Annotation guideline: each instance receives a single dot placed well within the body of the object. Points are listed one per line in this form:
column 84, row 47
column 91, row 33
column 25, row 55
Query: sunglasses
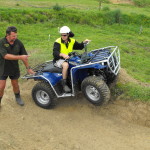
column 64, row 35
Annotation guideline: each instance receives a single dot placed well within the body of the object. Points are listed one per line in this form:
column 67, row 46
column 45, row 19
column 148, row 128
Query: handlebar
column 87, row 42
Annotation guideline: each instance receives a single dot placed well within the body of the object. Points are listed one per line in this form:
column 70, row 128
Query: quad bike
column 90, row 72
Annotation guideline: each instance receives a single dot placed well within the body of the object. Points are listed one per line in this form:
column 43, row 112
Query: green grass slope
column 109, row 26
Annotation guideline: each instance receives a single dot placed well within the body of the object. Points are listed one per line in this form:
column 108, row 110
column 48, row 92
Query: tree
column 100, row 3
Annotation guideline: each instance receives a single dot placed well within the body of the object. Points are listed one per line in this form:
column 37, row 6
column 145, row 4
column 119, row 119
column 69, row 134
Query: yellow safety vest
column 63, row 48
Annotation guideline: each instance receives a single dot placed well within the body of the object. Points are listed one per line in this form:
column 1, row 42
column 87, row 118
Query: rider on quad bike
column 62, row 47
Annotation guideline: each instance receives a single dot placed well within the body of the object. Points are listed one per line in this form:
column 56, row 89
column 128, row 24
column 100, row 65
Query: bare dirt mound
column 74, row 124
column 121, row 1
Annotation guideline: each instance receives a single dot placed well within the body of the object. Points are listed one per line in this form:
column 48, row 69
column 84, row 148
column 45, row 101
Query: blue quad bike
column 90, row 72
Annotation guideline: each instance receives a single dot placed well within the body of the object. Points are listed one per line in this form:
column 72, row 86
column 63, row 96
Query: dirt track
column 121, row 1
column 74, row 124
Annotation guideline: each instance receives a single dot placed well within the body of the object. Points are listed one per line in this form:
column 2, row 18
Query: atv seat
column 51, row 68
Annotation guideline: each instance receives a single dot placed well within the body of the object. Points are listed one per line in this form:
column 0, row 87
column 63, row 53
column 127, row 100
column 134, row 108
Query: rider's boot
column 18, row 99
column 65, row 86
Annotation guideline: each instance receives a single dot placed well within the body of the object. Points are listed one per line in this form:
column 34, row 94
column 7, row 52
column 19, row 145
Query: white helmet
column 64, row 29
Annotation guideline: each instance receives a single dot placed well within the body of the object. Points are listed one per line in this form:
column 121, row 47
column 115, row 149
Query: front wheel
column 43, row 95
column 95, row 90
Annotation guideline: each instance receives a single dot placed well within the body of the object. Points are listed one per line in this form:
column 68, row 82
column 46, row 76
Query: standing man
column 62, row 47
column 12, row 50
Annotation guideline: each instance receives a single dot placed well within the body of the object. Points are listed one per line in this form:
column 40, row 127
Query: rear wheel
column 95, row 90
column 43, row 95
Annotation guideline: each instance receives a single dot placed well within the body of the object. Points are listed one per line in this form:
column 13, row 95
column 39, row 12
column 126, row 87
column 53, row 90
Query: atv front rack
column 114, row 60
column 109, row 55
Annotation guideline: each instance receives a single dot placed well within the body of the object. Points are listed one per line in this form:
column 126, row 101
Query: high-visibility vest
column 63, row 48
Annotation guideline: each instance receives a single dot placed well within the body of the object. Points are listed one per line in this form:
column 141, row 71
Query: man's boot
column 65, row 86
column 18, row 99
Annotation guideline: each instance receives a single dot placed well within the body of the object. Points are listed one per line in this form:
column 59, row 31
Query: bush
column 106, row 9
column 142, row 3
column 57, row 7
column 112, row 17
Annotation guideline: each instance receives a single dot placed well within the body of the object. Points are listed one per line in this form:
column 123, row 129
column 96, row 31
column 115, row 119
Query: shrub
column 57, row 7
column 106, row 8
column 142, row 3
column 112, row 17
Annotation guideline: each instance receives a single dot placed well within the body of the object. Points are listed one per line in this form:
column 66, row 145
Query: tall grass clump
column 142, row 3
column 106, row 8
column 112, row 17
column 57, row 7
column 133, row 18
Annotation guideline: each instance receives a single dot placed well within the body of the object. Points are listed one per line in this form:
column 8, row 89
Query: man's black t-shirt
column 10, row 67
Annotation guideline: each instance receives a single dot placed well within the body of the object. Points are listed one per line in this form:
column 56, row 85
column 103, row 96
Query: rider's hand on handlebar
column 86, row 41
column 65, row 56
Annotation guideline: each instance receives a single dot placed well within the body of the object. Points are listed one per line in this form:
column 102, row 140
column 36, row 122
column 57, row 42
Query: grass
column 132, row 91
column 132, row 39
column 82, row 4
column 133, row 53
